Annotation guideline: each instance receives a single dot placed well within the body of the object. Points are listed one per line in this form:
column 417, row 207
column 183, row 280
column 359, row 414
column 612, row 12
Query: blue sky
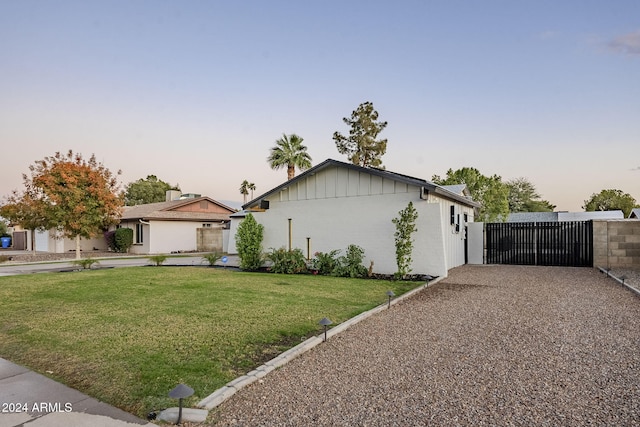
column 197, row 92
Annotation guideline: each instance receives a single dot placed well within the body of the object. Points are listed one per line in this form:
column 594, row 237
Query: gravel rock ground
column 490, row 345
column 632, row 276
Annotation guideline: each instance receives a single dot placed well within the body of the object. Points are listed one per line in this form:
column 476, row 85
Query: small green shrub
column 249, row 243
column 350, row 265
column 212, row 257
column 287, row 262
column 158, row 259
column 405, row 226
column 123, row 239
column 86, row 263
column 325, row 263
column 120, row 239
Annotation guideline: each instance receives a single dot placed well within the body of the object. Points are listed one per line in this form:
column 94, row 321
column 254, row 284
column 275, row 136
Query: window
column 139, row 235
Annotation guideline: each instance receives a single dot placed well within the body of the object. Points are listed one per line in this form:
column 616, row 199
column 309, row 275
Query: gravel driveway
column 490, row 345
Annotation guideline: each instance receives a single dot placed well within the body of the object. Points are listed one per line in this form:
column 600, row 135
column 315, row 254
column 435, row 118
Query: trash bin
column 6, row 241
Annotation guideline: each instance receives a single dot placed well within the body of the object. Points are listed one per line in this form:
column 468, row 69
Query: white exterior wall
column 138, row 248
column 233, row 228
column 42, row 241
column 56, row 243
column 454, row 238
column 338, row 207
column 172, row 236
column 161, row 237
column 476, row 243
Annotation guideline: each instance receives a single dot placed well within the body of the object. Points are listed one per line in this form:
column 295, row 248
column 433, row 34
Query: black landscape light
column 623, row 278
column 390, row 294
column 180, row 392
column 325, row 322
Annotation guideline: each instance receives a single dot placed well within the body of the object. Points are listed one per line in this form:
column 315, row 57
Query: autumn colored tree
column 76, row 196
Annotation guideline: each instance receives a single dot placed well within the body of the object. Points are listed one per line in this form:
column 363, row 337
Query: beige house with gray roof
column 178, row 225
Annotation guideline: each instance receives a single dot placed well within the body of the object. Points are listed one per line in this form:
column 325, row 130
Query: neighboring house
column 563, row 216
column 186, row 224
column 635, row 213
column 335, row 204
column 53, row 241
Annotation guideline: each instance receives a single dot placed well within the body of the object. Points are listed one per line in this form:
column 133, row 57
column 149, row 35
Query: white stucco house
column 335, row 204
column 182, row 223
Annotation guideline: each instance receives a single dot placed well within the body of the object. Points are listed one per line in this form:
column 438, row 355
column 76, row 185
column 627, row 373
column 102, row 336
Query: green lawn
column 127, row 336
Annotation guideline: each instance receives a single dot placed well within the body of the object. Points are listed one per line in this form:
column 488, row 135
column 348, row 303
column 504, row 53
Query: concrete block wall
column 616, row 243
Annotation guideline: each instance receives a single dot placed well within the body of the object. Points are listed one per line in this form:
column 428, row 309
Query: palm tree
column 244, row 190
column 290, row 152
column 251, row 187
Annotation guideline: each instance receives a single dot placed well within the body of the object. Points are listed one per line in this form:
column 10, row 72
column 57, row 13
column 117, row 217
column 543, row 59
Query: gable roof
column 443, row 191
column 635, row 213
column 170, row 211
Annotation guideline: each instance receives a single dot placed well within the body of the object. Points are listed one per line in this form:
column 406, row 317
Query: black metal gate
column 567, row 243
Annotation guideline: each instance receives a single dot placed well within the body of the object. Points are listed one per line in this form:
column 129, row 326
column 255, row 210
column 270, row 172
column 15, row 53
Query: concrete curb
column 228, row 390
column 631, row 288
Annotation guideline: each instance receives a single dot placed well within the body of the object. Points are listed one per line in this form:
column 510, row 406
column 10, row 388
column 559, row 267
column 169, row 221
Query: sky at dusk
column 197, row 92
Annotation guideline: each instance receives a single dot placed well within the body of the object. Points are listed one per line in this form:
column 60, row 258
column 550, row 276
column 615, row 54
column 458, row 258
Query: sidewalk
column 28, row 398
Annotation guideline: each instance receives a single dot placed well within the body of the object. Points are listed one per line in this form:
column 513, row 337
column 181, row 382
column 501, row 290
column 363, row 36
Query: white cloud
column 627, row 43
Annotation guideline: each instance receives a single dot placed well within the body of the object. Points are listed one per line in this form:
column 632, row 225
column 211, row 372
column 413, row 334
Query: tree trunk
column 291, row 172
column 78, row 247
column 33, row 241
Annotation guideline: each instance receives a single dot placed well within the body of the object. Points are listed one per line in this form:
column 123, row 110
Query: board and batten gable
column 336, row 206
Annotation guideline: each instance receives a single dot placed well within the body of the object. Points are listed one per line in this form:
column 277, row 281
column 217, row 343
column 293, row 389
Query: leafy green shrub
column 287, row 262
column 158, row 259
column 249, row 243
column 350, row 265
column 85, row 263
column 123, row 239
column 120, row 239
column 405, row 226
column 325, row 263
column 212, row 257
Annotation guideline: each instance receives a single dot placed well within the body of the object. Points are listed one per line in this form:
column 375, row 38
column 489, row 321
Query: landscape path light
column 390, row 294
column 325, row 322
column 180, row 392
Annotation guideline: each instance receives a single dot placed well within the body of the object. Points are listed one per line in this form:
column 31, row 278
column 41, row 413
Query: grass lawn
column 129, row 335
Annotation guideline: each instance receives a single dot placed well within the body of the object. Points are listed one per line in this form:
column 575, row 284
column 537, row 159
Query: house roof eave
column 430, row 186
